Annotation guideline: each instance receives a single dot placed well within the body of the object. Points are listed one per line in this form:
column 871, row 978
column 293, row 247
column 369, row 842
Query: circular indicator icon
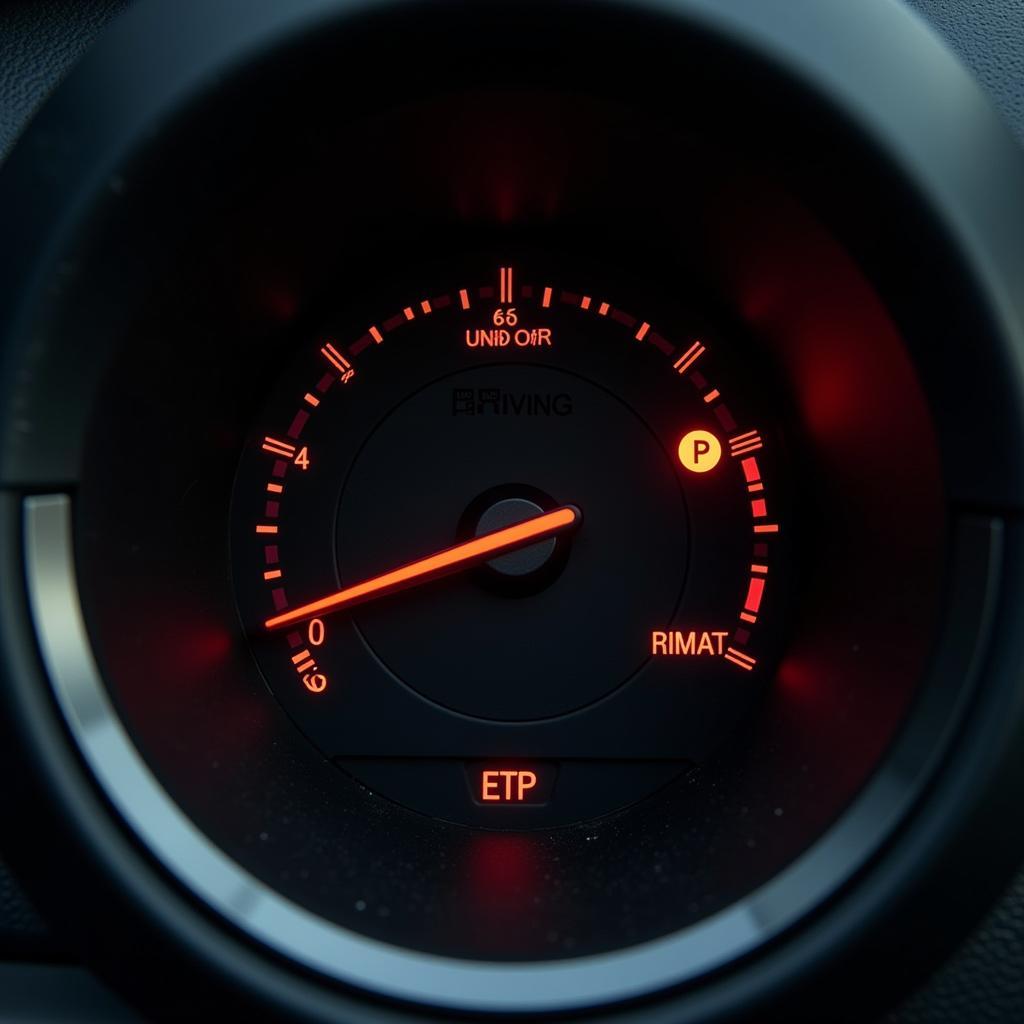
column 700, row 451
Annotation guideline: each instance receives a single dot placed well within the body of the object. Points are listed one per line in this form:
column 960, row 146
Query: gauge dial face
column 510, row 553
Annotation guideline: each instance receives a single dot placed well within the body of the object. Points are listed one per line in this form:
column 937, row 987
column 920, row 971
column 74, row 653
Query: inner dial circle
column 513, row 528
column 477, row 649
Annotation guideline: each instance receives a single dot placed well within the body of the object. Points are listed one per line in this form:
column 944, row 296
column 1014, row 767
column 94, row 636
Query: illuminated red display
column 505, row 785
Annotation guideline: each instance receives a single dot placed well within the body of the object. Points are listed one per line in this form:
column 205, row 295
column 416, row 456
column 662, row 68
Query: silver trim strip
column 342, row 954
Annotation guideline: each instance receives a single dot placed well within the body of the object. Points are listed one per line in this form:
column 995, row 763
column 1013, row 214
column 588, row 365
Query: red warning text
column 690, row 643
column 507, row 786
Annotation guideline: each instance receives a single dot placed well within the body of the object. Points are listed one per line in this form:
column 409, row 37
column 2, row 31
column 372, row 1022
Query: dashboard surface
column 981, row 981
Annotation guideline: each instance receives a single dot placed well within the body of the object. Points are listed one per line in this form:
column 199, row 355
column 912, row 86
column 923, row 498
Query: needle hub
column 523, row 561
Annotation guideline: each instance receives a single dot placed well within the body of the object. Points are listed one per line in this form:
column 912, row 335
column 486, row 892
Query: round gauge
column 476, row 532
column 522, row 543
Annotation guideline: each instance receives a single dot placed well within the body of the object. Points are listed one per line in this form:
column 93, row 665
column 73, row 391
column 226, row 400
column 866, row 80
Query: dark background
column 983, row 983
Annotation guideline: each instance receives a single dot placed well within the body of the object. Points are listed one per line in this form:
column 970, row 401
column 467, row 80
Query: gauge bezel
column 998, row 316
column 558, row 985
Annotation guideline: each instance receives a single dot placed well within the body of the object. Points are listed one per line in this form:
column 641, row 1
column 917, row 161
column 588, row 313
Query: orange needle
column 470, row 552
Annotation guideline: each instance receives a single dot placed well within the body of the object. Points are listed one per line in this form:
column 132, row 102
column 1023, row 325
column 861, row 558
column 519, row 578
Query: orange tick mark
column 335, row 358
column 752, row 605
column 275, row 447
column 744, row 444
column 688, row 358
column 745, row 661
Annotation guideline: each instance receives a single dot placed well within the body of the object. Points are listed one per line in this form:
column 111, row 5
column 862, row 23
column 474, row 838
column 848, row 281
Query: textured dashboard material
column 984, row 981
column 39, row 42
column 988, row 36
column 22, row 932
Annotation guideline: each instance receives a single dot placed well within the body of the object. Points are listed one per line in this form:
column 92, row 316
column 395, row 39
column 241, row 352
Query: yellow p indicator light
column 700, row 451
